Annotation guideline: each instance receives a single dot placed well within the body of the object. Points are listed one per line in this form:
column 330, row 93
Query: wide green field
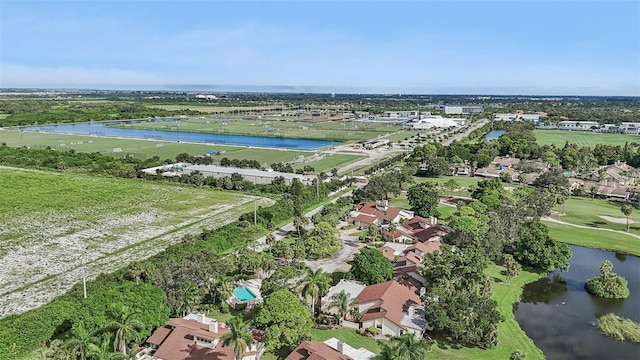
column 599, row 239
column 329, row 162
column 276, row 127
column 582, row 138
column 212, row 108
column 597, row 213
column 52, row 223
column 141, row 148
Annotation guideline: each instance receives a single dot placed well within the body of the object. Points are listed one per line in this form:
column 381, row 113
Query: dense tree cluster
column 458, row 302
column 383, row 186
column 371, row 267
column 29, row 112
column 608, row 284
column 285, row 320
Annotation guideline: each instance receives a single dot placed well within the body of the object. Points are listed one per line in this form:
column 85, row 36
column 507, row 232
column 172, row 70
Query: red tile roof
column 388, row 252
column 394, row 299
column 363, row 218
column 176, row 341
column 316, row 350
column 371, row 209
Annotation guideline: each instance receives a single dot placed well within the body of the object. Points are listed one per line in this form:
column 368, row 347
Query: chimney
column 213, row 326
column 340, row 347
column 201, row 318
column 433, row 220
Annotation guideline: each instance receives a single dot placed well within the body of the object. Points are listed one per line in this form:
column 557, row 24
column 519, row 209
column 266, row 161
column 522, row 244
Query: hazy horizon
column 559, row 48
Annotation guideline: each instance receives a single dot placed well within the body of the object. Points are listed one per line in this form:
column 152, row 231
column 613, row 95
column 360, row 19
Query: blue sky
column 453, row 47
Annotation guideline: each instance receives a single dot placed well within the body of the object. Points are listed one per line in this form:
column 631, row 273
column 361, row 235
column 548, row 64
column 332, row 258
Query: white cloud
column 16, row 75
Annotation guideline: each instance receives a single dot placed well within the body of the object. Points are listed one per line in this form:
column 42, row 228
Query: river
column 101, row 129
column 559, row 315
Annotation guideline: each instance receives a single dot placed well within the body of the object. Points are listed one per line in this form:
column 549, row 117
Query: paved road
column 348, row 251
column 548, row 219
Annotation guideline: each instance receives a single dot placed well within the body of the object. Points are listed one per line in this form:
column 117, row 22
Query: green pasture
column 329, row 162
column 213, row 108
column 69, row 198
column 599, row 239
column 141, row 148
column 274, row 127
column 582, row 138
column 587, row 212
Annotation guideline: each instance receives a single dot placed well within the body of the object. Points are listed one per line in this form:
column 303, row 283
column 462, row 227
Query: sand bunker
column 616, row 220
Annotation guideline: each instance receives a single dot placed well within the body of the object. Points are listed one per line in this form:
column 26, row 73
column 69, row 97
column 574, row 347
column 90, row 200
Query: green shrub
column 609, row 284
column 372, row 330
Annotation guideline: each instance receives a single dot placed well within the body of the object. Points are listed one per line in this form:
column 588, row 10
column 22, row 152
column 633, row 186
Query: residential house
column 393, row 308
column 197, row 337
column 617, row 174
column 376, row 213
column 350, row 287
column 407, row 262
column 330, row 349
column 416, row 229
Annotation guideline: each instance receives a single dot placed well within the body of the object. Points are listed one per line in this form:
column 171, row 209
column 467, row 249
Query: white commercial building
column 577, row 125
column 462, row 109
column 253, row 175
column 516, row 117
column 432, row 121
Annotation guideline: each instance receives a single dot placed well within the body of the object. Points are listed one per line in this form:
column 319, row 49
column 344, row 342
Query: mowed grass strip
column 142, row 148
column 594, row 238
column 582, row 138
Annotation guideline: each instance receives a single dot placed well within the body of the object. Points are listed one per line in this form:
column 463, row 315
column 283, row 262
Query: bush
column 608, row 285
column 372, row 330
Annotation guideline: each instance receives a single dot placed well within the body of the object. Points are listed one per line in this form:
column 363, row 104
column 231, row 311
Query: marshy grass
column 619, row 328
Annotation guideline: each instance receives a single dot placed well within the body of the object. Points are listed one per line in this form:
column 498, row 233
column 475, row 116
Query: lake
column 559, row 315
column 102, row 129
column 493, row 134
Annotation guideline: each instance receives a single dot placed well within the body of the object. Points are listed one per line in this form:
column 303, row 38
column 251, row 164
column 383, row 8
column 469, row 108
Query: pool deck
column 254, row 286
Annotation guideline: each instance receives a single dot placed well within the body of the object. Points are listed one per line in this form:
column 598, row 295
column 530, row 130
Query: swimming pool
column 242, row 293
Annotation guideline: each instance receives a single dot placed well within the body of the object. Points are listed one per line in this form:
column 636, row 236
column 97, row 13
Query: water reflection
column 559, row 315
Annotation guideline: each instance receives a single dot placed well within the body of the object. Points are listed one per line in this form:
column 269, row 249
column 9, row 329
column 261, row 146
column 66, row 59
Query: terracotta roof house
column 368, row 213
column 417, row 229
column 350, row 287
column 393, row 308
column 316, row 350
column 330, row 349
column 197, row 337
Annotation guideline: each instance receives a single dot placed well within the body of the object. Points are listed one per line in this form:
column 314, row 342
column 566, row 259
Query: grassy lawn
column 598, row 239
column 587, row 212
column 55, row 222
column 211, row 108
column 582, row 138
column 142, row 148
column 329, row 162
column 277, row 126
column 347, row 335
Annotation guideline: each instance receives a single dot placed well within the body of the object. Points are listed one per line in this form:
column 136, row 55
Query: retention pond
column 103, row 129
column 559, row 315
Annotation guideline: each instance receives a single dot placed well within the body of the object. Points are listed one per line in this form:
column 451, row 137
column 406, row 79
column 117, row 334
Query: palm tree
column 58, row 351
column 104, row 351
column 299, row 223
column 125, row 328
column 270, row 239
column 79, row 341
column 239, row 338
column 316, row 285
column 392, row 229
column 410, row 348
column 627, row 209
column 190, row 299
column 224, row 289
column 340, row 301
column 388, row 351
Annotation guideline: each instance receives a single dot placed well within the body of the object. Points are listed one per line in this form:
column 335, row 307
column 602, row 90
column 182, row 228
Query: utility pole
column 84, row 281
column 255, row 212
column 318, row 186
